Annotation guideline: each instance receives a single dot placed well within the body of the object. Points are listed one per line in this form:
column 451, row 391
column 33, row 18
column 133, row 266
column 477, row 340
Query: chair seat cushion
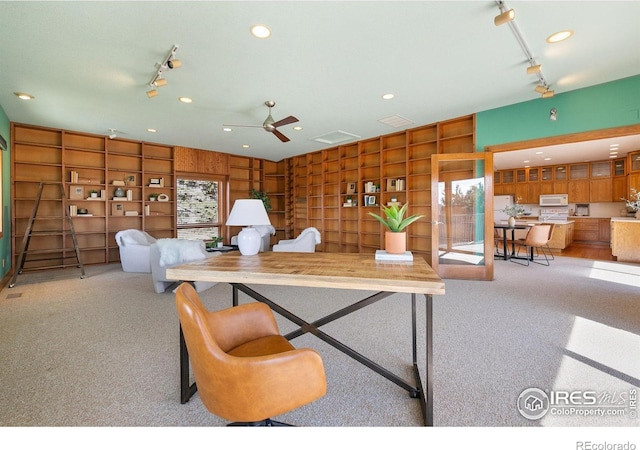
column 268, row 345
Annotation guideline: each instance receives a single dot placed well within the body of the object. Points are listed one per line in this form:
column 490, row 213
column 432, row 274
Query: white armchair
column 134, row 250
column 266, row 231
column 167, row 253
column 305, row 243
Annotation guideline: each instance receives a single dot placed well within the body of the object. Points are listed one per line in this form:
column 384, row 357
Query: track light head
column 504, row 17
column 548, row 94
column 160, row 82
column 534, row 69
column 540, row 89
column 152, row 93
column 553, row 114
column 112, row 134
column 174, row 63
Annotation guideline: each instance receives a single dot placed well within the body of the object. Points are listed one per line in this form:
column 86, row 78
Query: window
column 199, row 211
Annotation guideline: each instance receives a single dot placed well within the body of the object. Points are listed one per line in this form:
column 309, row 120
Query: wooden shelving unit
column 398, row 165
column 84, row 163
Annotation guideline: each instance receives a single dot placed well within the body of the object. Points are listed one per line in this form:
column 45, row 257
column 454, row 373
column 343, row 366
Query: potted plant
column 153, row 197
column 513, row 211
column 93, row 194
column 216, row 241
column 262, row 196
column 633, row 205
column 395, row 240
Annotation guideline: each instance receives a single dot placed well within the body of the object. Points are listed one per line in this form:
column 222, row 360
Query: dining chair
column 536, row 239
column 551, row 229
column 245, row 371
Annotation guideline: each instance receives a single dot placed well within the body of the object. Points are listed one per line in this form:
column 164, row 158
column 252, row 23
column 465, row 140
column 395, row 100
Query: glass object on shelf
column 578, row 171
column 546, row 174
column 560, row 173
column 600, row 169
column 618, row 167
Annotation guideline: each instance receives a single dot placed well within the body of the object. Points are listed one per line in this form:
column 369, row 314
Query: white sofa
column 266, row 231
column 305, row 243
column 167, row 253
column 134, row 250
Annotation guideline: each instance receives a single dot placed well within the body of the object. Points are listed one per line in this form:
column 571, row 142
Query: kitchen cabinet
column 600, row 190
column 625, row 239
column 562, row 236
column 586, row 229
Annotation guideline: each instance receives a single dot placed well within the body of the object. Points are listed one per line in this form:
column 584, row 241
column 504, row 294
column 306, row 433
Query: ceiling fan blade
column 280, row 136
column 285, row 121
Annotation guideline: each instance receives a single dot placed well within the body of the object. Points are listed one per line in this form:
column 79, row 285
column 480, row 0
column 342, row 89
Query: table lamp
column 246, row 213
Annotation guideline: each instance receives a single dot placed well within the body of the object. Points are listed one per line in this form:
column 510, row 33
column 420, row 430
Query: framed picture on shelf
column 130, row 180
column 76, row 193
column 351, row 188
column 117, row 209
column 371, row 200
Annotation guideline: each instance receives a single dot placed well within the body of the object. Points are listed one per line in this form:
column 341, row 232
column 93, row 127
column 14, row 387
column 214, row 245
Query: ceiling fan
column 271, row 125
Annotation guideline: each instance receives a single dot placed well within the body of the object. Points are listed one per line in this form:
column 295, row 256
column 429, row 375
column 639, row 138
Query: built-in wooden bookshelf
column 335, row 189
column 83, row 163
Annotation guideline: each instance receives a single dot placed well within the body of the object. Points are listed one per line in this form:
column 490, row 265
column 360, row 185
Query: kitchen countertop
column 625, row 219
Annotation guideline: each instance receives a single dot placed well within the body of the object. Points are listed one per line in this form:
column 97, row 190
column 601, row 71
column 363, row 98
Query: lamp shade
column 248, row 212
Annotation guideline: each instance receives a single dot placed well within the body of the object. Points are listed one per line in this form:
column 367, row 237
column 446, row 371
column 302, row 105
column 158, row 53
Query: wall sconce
column 553, row 114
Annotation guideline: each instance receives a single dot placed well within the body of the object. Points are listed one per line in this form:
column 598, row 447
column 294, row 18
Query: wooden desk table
column 325, row 270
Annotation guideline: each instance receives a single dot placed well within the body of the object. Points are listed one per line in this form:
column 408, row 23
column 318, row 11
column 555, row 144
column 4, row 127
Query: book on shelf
column 131, row 213
column 382, row 255
column 74, row 176
column 73, row 210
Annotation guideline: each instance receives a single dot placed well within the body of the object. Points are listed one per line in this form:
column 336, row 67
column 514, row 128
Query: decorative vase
column 512, row 221
column 395, row 242
column 119, row 192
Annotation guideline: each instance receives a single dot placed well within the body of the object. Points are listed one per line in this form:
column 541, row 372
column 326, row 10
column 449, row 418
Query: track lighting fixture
column 553, row 114
column 168, row 63
column 508, row 16
column 548, row 94
column 113, row 133
column 534, row 69
column 505, row 17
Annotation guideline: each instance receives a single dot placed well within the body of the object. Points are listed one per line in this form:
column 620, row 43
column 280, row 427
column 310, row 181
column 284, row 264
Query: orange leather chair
column 245, row 371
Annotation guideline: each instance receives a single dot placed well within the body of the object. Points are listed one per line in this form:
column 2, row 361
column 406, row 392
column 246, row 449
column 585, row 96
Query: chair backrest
column 552, row 226
column 538, row 235
column 220, row 377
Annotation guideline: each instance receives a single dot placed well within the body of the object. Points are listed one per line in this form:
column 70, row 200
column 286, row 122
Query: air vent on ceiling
column 335, row 137
column 396, row 121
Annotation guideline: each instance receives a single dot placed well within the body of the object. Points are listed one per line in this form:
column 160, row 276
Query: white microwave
column 554, row 200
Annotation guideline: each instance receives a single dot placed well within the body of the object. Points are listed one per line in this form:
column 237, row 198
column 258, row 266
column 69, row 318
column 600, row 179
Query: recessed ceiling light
column 388, row 96
column 298, row 128
column 547, row 159
column 226, row 129
column 614, row 145
column 539, row 153
column 559, row 36
column 613, row 152
column 151, row 130
column 185, row 99
column 245, row 146
column 24, row 96
column 260, row 31
column 613, row 156
column 526, row 161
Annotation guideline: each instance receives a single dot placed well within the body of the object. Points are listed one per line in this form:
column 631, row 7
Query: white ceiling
column 327, row 63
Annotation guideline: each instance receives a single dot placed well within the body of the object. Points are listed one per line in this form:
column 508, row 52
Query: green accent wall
column 5, row 241
column 606, row 105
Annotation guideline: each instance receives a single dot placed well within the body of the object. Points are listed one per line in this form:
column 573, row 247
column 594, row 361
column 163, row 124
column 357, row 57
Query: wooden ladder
column 31, row 232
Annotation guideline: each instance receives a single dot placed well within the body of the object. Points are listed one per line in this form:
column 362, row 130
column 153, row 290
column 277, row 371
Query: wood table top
column 325, row 270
